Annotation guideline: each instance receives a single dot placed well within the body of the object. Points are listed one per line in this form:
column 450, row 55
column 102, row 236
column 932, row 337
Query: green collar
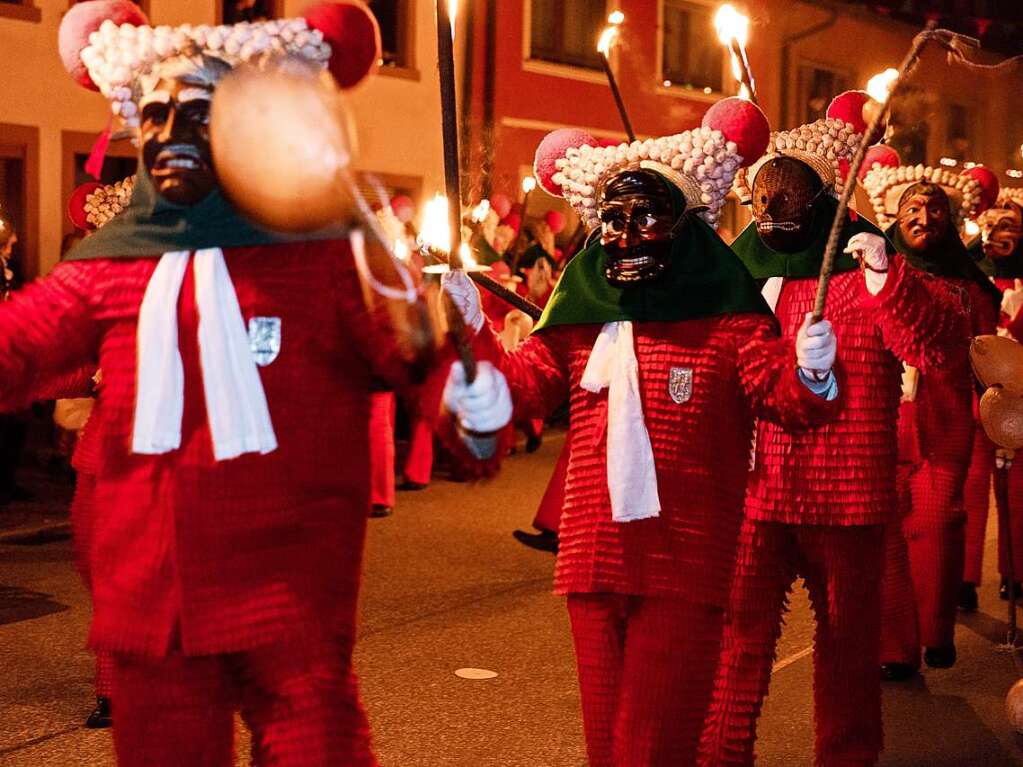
column 950, row 259
column 150, row 226
column 764, row 263
column 705, row 279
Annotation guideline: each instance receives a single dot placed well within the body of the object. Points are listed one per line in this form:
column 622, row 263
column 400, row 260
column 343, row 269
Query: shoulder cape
column 705, row 279
column 151, row 226
column 764, row 263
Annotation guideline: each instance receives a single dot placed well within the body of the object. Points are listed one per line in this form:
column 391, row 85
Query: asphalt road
column 447, row 588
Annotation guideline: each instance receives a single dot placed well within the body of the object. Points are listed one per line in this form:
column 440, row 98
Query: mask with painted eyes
column 1001, row 230
column 637, row 219
column 784, row 193
column 925, row 217
column 175, row 140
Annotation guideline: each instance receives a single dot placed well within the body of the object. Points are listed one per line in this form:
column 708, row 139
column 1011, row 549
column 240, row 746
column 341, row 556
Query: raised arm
column 924, row 321
column 770, row 375
column 46, row 330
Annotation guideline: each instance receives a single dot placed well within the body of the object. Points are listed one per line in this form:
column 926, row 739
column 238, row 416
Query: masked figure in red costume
column 233, row 462
column 1000, row 252
column 818, row 500
column 666, row 351
column 937, row 428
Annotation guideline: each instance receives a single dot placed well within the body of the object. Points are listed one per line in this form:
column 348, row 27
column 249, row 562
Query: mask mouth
column 179, row 157
column 777, row 226
column 633, row 269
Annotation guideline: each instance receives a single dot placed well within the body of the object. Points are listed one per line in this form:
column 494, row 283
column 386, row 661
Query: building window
column 395, row 20
column 19, row 193
column 24, row 10
column 235, row 11
column 691, row 54
column 566, row 31
column 817, row 87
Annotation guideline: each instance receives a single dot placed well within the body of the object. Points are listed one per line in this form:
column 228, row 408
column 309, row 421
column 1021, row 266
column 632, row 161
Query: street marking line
column 786, row 662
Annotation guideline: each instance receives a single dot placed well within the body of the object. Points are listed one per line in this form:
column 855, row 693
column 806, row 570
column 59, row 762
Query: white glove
column 482, row 407
column 1012, row 299
column 816, row 348
column 872, row 253
column 466, row 297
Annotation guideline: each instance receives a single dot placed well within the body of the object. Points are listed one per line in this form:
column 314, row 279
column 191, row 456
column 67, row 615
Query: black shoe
column 379, row 510
column 408, row 484
column 544, row 540
column 1003, row 590
column 897, row 672
column 940, row 657
column 533, row 443
column 967, row 601
column 100, row 718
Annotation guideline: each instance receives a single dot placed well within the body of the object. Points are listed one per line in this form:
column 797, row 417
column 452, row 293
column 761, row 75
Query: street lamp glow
column 615, row 18
column 480, row 212
column 528, row 184
column 435, row 232
column 879, row 86
column 731, row 25
column 971, row 228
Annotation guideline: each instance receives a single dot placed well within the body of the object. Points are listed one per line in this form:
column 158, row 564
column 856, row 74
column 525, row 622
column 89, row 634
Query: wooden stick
column 746, row 77
column 828, row 264
column 1002, row 503
column 510, row 297
column 613, row 82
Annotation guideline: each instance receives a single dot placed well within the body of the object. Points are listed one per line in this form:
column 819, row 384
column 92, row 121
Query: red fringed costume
column 216, row 576
column 925, row 545
column 977, row 495
column 816, row 506
column 633, row 586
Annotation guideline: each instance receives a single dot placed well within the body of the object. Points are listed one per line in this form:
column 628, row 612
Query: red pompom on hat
column 76, row 205
column 879, row 154
column 850, row 107
column 552, row 149
column 500, row 204
column 81, row 20
column 514, row 220
column 403, row 207
column 352, row 31
column 555, row 220
column 743, row 123
column 989, row 186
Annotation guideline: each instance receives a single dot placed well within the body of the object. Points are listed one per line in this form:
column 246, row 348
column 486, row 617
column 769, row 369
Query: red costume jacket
column 220, row 556
column 844, row 472
column 701, row 448
column 939, row 424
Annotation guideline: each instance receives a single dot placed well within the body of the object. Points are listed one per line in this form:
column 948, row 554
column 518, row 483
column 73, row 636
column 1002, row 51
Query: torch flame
column 528, row 184
column 468, row 259
column 607, row 39
column 401, row 250
column 480, row 212
column 435, row 232
column 744, row 93
column 615, row 18
column 452, row 12
column 880, row 85
column 731, row 25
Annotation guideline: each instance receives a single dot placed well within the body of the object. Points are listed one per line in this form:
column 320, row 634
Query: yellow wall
column 398, row 117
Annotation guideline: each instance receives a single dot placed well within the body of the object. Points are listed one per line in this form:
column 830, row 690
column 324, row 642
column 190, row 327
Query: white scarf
column 236, row 407
column 631, row 473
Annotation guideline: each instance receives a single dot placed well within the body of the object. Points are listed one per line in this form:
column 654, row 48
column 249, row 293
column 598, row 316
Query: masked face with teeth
column 925, row 217
column 784, row 193
column 637, row 219
column 174, row 129
column 1001, row 230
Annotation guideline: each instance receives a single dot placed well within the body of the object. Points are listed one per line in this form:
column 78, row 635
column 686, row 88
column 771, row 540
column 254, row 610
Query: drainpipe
column 786, row 63
column 489, row 88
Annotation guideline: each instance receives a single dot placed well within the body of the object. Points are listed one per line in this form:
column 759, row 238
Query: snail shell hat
column 108, row 46
column 971, row 192
column 701, row 162
column 826, row 145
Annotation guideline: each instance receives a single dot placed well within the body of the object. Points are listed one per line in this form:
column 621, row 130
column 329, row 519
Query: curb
column 36, row 534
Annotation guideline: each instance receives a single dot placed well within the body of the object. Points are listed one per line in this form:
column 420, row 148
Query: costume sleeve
column 1015, row 326
column 923, row 321
column 983, row 311
column 46, row 330
column 71, row 384
column 770, row 379
column 537, row 370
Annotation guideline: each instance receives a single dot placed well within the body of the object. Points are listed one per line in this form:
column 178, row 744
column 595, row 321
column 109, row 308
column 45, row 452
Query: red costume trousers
column 977, row 499
column 646, row 674
column 548, row 515
column 924, row 551
column 419, row 464
column 301, row 703
column 381, row 448
column 841, row 567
